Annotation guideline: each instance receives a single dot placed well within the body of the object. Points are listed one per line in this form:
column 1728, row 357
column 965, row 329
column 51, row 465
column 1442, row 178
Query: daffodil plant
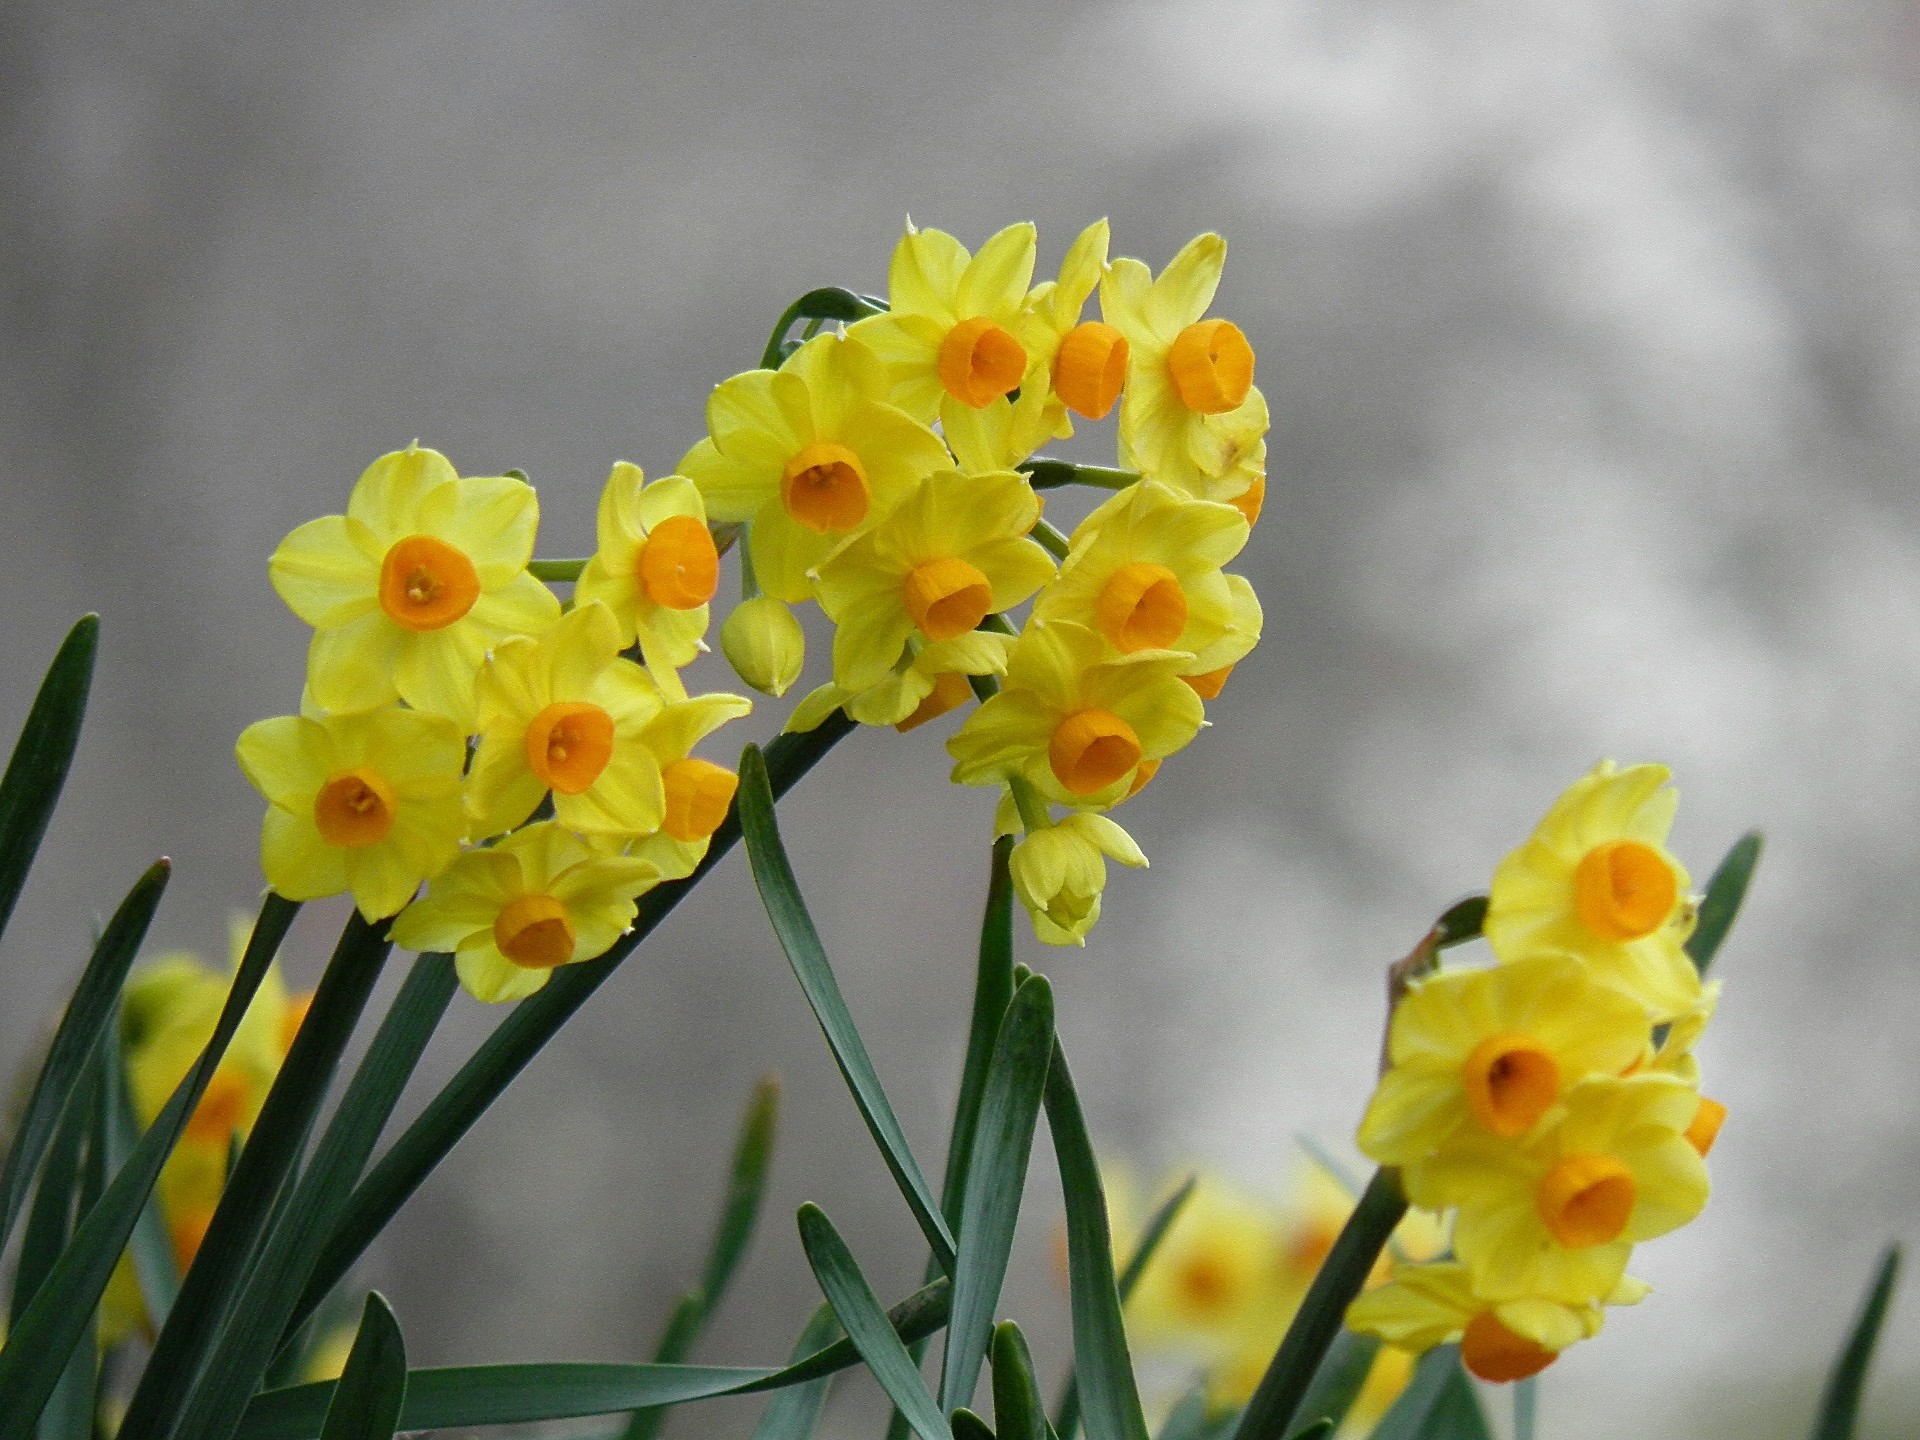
column 497, row 757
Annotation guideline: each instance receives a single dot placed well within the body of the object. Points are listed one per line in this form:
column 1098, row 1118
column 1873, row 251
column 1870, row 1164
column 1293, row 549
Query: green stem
column 749, row 577
column 1045, row 474
column 829, row 303
column 556, row 571
column 1270, row 1413
column 1051, row 540
column 1035, row 813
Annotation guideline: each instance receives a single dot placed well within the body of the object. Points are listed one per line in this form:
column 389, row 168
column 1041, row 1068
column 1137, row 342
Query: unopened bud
column 764, row 644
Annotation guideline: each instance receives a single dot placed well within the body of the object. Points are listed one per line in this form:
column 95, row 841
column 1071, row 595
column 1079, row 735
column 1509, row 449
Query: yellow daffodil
column 953, row 552
column 696, row 792
column 168, row 1013
column 928, row 686
column 1428, row 1305
column 565, row 714
column 656, row 566
column 1596, row 880
column 1144, row 570
column 1212, row 664
column 1004, row 434
column 515, row 912
column 1555, row 1213
column 765, row 644
column 808, row 455
column 1060, row 872
column 1084, row 362
column 368, row 803
column 1074, row 721
column 956, row 335
column 1675, row 1057
column 1493, row 1050
column 1192, row 416
column 408, row 589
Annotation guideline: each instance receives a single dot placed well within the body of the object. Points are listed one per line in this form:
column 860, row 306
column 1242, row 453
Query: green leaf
column 49, row 1222
column 41, row 758
column 793, row 1412
column 1439, row 1403
column 346, row 1144
column 1340, row 1378
column 1017, row 1413
column 828, row 303
column 150, row 1246
column 996, row 1181
column 1319, row 1430
column 969, row 1426
column 992, row 989
column 1840, row 1403
column 524, row 1032
column 780, row 893
column 1275, row 1405
column 202, row 1370
column 54, row 1322
column 1526, row 1406
column 89, row 1014
column 1103, row 1372
column 746, row 1182
column 1158, row 1224
column 372, row 1391
column 866, row 1325
column 1188, row 1418
column 1725, row 891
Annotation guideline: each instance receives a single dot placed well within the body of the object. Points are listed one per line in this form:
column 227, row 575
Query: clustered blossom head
column 531, row 763
column 887, row 472
column 452, row 703
column 1552, row 1101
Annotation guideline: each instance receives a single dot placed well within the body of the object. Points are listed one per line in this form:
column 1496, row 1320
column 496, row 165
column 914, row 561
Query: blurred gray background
column 1592, row 337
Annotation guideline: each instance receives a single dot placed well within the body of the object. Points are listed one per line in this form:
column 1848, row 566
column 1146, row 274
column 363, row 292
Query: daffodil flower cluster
column 1232, row 1270
column 1551, row 1102
column 886, row 472
column 461, row 729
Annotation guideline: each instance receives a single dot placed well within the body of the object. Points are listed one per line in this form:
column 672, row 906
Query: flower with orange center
column 956, row 334
column 656, row 566
column 1555, row 1212
column 1492, row 1051
column 368, row 803
column 956, row 550
column 934, row 683
column 1144, row 570
column 1192, row 416
column 1086, row 362
column 1074, row 720
column 1596, row 880
column 564, row 714
column 808, row 455
column 695, row 793
column 1500, row 1341
column 514, row 912
column 408, row 590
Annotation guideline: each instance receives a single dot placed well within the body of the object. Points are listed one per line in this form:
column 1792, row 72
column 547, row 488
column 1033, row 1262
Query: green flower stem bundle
column 508, row 781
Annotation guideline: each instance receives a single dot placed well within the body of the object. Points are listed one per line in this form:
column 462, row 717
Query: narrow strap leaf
column 792, row 1413
column 866, row 1324
column 41, row 758
column 996, row 1181
column 992, row 989
column 1271, row 1412
column 155, row 1270
column 780, row 893
column 499, row 1394
column 1526, row 1406
column 174, row 1396
column 1419, row 1412
column 50, row 1220
column 1341, row 1376
column 347, row 1142
column 1017, row 1413
column 54, row 1322
column 1721, row 904
column 1067, row 1415
column 1103, row 1371
column 1319, row 1430
column 69, row 1414
column 1840, row 1402
column 1188, row 1418
column 746, row 1182
column 969, row 1426
column 89, row 1013
column 368, row 1400
column 521, row 1036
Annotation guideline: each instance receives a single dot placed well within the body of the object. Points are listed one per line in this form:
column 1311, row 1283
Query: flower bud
column 1059, row 874
column 764, row 644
